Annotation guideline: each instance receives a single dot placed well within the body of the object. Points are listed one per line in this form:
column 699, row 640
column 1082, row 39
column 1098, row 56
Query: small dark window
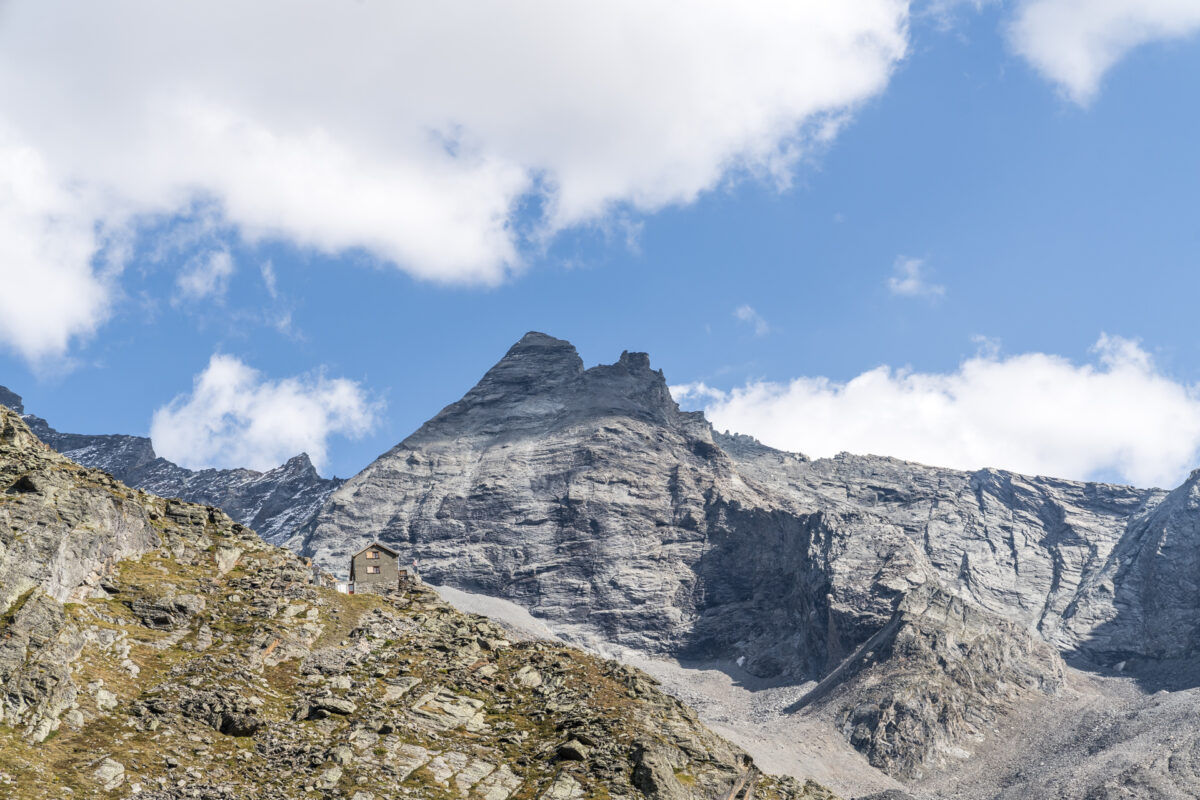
column 373, row 569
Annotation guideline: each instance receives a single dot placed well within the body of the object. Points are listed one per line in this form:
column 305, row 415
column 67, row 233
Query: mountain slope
column 589, row 497
column 156, row 649
column 274, row 503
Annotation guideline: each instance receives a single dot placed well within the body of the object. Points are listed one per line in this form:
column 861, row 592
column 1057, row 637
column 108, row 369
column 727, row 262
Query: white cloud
column 1033, row 413
column 50, row 292
column 234, row 417
column 206, row 275
column 697, row 393
column 1074, row 42
column 748, row 315
column 412, row 130
column 909, row 280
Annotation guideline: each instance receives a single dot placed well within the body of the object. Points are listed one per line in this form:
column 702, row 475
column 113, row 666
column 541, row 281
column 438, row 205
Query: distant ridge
column 275, row 503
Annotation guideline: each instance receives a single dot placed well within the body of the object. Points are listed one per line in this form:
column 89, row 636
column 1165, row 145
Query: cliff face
column 274, row 503
column 932, row 682
column 588, row 496
column 193, row 660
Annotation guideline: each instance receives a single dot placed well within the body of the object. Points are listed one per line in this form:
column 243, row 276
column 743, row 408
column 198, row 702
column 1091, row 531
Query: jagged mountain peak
column 635, row 361
column 536, row 355
column 536, row 341
column 298, row 465
column 541, row 381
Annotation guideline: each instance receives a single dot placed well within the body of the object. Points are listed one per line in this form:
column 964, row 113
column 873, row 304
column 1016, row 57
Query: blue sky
column 1031, row 211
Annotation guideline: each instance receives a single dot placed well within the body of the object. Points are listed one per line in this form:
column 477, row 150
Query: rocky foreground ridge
column 157, row 649
column 927, row 605
column 275, row 503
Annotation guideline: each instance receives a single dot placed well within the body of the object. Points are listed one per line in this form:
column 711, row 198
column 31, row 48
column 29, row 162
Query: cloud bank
column 235, row 417
column 1032, row 413
column 414, row 131
column 1075, row 42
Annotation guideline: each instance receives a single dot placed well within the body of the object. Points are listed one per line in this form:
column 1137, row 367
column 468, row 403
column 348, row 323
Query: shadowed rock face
column 274, row 503
column 589, row 497
column 1142, row 606
column 932, row 679
column 12, row 400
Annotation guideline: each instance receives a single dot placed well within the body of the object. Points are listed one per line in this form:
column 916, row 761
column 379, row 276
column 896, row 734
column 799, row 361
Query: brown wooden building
column 375, row 568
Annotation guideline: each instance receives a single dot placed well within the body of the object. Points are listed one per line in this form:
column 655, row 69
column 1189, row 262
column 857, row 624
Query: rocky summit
column 924, row 610
column 158, row 650
column 274, row 503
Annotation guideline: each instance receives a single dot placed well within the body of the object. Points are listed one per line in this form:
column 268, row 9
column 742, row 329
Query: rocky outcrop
column 589, row 497
column 921, row 693
column 1142, row 606
column 196, row 661
column 11, row 399
column 274, row 503
column 61, row 525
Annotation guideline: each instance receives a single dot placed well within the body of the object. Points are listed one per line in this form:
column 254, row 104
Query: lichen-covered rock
column 61, row 526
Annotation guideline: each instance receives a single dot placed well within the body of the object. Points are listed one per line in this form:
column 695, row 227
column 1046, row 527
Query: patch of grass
column 350, row 608
column 7, row 618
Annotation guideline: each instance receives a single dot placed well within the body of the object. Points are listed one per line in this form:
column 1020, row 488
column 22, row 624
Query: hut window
column 373, row 569
column 373, row 554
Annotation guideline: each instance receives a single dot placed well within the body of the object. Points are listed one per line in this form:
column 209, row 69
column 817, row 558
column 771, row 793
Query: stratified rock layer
column 933, row 681
column 588, row 496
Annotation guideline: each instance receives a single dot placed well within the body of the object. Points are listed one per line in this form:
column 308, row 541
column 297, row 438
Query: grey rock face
column 931, row 682
column 43, row 491
column 274, row 503
column 62, row 528
column 588, row 496
column 1142, row 605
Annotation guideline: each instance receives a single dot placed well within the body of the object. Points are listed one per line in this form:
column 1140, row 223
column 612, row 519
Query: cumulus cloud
column 1074, row 42
column 1033, row 413
column 748, row 315
column 236, row 417
column 908, row 279
column 207, row 275
column 51, row 292
column 414, row 131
